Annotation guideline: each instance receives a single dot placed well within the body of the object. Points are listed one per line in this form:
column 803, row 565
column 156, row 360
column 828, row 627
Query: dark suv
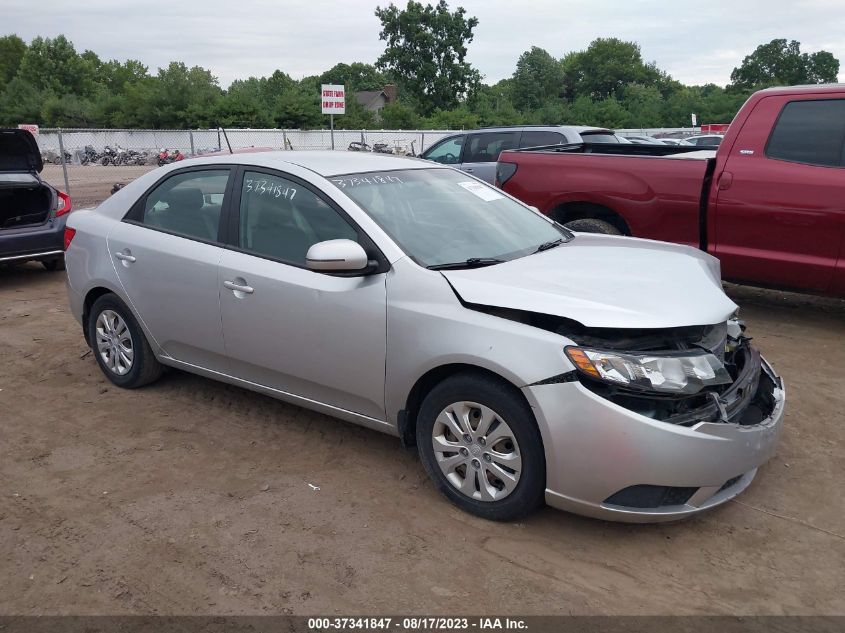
column 32, row 213
column 476, row 152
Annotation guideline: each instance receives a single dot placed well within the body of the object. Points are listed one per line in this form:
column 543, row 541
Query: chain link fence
column 88, row 163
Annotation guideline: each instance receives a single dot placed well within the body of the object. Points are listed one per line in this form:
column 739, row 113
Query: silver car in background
column 477, row 151
column 603, row 375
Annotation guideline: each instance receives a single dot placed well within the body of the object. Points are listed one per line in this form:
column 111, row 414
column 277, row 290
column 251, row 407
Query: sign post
column 333, row 101
column 694, row 119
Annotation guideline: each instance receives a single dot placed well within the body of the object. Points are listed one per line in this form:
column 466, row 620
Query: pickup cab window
column 810, row 132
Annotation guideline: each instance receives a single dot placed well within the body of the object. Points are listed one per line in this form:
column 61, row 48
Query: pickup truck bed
column 668, row 202
column 769, row 203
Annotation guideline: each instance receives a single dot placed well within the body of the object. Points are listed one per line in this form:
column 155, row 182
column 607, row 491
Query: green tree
column 53, row 64
column 426, row 52
column 644, row 105
column 12, row 49
column 494, row 105
column 68, row 111
column 606, row 68
column 538, row 79
column 782, row 63
column 457, row 119
column 20, row 102
column 355, row 76
column 399, row 116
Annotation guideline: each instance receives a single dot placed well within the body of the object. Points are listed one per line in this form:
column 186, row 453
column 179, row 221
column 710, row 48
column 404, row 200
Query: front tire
column 480, row 444
column 593, row 225
column 119, row 344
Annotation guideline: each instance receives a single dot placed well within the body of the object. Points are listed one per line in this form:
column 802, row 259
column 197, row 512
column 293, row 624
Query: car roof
column 549, row 128
column 809, row 88
column 322, row 162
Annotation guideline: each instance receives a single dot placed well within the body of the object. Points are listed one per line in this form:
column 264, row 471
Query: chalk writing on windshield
column 357, row 181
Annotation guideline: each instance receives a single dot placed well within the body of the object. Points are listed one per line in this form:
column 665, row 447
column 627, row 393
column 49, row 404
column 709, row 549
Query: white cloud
column 695, row 42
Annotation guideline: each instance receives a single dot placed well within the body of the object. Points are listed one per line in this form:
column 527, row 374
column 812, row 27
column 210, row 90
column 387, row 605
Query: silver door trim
column 30, row 255
column 307, row 403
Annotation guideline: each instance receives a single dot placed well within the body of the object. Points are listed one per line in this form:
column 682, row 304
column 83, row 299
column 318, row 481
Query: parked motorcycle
column 89, row 155
column 165, row 157
column 109, row 156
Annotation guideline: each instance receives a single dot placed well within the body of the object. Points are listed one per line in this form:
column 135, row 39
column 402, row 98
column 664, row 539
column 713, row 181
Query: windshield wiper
column 547, row 245
column 472, row 262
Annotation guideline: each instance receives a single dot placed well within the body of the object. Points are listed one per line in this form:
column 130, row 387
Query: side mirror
column 334, row 256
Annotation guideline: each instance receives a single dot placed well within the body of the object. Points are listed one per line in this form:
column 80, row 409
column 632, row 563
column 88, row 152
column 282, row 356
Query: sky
column 695, row 42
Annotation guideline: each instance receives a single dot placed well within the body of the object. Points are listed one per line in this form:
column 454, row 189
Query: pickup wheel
column 592, row 225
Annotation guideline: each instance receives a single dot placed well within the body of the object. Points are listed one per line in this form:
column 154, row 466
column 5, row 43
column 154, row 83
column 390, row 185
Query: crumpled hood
column 604, row 281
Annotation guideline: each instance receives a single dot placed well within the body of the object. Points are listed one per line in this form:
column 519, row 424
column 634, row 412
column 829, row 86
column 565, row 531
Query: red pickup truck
column 769, row 203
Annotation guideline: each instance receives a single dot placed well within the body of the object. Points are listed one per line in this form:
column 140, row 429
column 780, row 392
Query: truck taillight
column 504, row 172
column 63, row 204
column 69, row 233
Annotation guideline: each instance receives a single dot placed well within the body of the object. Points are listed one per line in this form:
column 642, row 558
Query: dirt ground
column 192, row 497
column 91, row 184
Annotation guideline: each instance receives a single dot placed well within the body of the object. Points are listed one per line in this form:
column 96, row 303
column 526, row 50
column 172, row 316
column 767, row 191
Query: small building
column 375, row 100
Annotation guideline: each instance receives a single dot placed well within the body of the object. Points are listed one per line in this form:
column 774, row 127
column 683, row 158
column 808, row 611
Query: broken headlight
column 681, row 372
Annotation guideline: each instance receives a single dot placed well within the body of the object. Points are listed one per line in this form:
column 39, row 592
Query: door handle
column 468, row 170
column 124, row 257
column 725, row 180
column 231, row 285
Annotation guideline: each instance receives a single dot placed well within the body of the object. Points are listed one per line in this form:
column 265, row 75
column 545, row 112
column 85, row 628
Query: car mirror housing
column 336, row 256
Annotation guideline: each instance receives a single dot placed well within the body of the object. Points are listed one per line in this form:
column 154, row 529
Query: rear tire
column 465, row 464
column 593, row 225
column 119, row 344
column 53, row 265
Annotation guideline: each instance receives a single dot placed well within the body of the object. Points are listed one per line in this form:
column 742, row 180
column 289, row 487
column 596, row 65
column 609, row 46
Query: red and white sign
column 333, row 99
column 32, row 127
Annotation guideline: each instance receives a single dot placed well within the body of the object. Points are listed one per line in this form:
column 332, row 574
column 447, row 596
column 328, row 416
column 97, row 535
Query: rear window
column 598, row 137
column 537, row 138
column 810, row 132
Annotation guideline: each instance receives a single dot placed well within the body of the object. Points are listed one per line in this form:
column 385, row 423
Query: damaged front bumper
column 607, row 461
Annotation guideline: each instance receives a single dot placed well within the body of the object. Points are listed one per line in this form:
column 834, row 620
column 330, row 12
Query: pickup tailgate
column 658, row 197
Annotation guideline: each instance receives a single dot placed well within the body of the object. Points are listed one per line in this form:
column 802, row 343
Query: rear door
column 482, row 151
column 317, row 336
column 166, row 252
column 780, row 210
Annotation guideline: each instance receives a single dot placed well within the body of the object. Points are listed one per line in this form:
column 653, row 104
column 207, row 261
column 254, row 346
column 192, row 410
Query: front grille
column 647, row 496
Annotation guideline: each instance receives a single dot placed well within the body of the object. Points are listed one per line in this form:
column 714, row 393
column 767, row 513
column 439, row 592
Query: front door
column 166, row 256
column 780, row 207
column 316, row 336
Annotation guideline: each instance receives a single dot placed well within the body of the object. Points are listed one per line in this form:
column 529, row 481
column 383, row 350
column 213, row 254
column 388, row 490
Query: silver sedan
column 603, row 375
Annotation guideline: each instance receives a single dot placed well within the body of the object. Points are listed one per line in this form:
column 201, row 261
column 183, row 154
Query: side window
column 282, row 219
column 486, row 147
column 811, row 132
column 447, row 152
column 188, row 204
column 536, row 138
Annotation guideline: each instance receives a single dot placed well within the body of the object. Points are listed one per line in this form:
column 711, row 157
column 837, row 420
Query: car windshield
column 441, row 216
